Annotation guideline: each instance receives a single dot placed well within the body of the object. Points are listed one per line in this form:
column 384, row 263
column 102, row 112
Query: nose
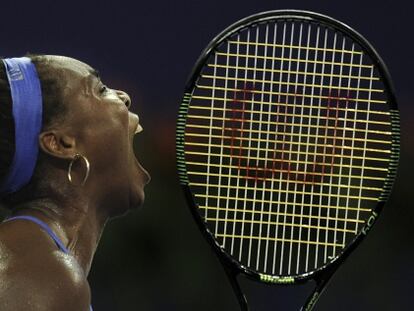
column 125, row 98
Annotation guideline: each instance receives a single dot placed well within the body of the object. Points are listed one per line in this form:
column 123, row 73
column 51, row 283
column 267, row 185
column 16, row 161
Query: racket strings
column 287, row 145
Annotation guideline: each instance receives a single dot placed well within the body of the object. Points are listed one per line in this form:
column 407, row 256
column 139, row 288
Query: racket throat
column 321, row 284
column 241, row 298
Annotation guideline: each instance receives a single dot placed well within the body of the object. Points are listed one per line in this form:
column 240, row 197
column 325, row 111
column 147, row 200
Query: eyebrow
column 95, row 73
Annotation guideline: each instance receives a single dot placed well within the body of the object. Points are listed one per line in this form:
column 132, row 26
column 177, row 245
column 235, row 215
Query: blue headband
column 27, row 114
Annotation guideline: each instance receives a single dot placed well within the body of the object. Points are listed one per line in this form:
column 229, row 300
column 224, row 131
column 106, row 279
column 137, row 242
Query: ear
column 57, row 144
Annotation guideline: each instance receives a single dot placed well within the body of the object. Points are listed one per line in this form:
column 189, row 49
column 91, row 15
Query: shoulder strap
column 45, row 227
column 48, row 230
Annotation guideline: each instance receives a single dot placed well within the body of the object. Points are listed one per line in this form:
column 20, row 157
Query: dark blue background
column 156, row 259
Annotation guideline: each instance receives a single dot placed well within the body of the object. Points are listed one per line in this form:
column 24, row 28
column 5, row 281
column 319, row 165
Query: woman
column 66, row 166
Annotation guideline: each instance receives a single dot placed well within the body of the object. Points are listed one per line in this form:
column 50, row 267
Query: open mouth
column 135, row 146
column 138, row 130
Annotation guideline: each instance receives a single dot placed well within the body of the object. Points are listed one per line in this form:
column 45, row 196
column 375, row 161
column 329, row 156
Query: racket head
column 239, row 117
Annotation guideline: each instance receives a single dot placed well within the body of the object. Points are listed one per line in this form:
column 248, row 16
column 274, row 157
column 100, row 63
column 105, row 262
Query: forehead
column 71, row 68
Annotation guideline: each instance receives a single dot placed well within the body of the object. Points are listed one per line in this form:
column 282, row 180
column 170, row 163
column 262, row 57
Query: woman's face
column 103, row 127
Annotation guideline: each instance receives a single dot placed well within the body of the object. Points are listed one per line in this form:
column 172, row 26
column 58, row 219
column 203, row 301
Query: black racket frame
column 232, row 267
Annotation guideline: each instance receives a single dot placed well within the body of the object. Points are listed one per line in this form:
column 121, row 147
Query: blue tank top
column 48, row 231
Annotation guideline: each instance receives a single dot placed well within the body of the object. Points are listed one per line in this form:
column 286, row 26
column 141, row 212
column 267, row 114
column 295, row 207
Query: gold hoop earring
column 88, row 168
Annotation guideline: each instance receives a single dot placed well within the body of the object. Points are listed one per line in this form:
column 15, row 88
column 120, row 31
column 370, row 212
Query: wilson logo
column 276, row 280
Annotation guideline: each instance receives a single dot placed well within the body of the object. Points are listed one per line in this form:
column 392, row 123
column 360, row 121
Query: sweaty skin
column 34, row 273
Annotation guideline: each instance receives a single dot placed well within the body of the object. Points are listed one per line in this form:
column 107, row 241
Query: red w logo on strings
column 282, row 157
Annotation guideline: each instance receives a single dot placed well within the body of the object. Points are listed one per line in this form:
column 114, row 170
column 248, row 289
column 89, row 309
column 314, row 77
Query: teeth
column 139, row 129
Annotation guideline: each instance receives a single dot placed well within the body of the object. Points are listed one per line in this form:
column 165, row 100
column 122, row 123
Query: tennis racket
column 287, row 146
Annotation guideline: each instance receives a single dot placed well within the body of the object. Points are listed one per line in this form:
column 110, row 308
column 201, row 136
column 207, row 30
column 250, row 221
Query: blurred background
column 156, row 259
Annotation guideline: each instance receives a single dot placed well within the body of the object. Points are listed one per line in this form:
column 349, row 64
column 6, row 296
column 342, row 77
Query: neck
column 79, row 225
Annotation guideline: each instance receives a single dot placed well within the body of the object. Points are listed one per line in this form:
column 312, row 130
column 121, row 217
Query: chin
column 137, row 199
column 138, row 180
column 134, row 202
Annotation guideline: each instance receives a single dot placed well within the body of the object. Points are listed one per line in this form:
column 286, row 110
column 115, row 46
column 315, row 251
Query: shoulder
column 37, row 276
